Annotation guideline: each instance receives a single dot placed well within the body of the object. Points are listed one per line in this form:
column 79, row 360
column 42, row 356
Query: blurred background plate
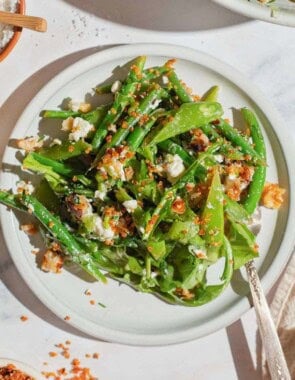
column 131, row 317
column 278, row 12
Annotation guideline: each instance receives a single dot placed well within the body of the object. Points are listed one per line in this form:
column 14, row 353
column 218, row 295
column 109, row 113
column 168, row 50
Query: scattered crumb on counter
column 24, row 318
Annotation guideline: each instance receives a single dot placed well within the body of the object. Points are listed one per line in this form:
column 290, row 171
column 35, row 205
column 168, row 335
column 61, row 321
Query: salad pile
column 151, row 189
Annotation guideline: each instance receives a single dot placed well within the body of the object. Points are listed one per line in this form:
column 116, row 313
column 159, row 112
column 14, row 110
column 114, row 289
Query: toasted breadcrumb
column 29, row 229
column 24, row 318
column 272, row 196
column 52, row 262
column 67, row 318
column 29, row 144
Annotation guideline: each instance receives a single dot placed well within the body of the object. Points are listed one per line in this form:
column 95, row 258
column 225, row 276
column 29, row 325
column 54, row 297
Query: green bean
column 210, row 132
column 258, row 179
column 66, row 150
column 11, row 200
column 93, row 117
column 122, row 100
column 170, row 193
column 59, row 114
column 171, row 147
column 237, row 139
column 136, row 137
column 178, row 87
column 145, row 107
column 57, row 229
column 58, row 167
column 104, row 89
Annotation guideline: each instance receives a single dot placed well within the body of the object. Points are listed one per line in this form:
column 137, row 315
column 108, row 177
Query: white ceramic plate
column 28, row 370
column 280, row 12
column 131, row 317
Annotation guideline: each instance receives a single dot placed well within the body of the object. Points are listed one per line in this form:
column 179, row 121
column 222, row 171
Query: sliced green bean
column 122, row 100
column 258, row 179
column 178, row 87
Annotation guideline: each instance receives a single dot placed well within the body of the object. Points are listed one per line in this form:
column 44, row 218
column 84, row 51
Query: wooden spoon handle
column 35, row 23
column 273, row 350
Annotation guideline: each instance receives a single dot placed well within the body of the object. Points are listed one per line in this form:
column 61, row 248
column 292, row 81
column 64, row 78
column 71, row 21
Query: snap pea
column 258, row 179
column 211, row 95
column 66, row 150
column 188, row 116
column 213, row 219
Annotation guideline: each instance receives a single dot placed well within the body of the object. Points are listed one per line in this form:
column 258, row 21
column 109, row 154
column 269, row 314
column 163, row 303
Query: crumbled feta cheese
column 67, row 124
column 74, row 105
column 103, row 233
column 100, row 194
column 130, row 205
column 112, row 128
column 174, row 167
column 219, row 158
column 80, row 129
column 30, row 144
column 56, row 142
column 52, row 262
column 116, row 86
column 232, row 176
column 25, row 187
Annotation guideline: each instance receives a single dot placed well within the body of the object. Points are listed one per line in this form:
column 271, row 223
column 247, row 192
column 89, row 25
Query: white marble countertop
column 263, row 52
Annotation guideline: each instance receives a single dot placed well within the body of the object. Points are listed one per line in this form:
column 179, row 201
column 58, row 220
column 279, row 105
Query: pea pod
column 189, row 115
column 66, row 150
column 213, row 218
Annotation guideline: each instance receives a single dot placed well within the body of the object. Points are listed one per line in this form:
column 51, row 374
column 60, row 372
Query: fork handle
column 273, row 350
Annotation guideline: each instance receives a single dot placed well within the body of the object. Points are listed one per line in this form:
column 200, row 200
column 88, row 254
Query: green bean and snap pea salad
column 151, row 189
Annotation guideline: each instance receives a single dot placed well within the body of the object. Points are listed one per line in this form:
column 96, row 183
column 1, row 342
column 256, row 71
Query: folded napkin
column 283, row 312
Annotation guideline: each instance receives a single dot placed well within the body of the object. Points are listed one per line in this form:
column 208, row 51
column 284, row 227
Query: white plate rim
column 259, row 11
column 288, row 239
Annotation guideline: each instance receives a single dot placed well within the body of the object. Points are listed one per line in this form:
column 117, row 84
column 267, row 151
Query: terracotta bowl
column 11, row 44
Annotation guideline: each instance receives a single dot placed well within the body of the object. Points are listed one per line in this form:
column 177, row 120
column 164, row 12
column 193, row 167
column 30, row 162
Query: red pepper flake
column 24, row 318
